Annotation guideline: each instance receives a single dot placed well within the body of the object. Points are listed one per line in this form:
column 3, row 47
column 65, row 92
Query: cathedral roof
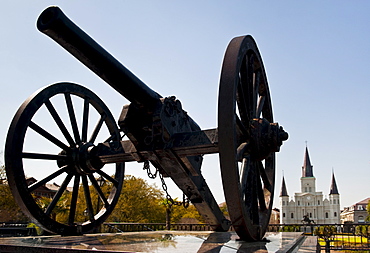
column 307, row 168
column 333, row 187
column 283, row 191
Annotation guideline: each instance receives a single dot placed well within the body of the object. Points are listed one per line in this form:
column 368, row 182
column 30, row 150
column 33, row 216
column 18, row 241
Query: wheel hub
column 266, row 137
column 81, row 159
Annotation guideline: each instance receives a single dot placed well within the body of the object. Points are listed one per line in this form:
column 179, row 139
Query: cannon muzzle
column 54, row 23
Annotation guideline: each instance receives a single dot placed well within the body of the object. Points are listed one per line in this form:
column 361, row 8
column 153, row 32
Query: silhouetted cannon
column 155, row 129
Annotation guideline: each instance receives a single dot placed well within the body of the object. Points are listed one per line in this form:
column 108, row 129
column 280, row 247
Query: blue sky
column 316, row 55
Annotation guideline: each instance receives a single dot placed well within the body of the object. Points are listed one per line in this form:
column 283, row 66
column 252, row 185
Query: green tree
column 139, row 202
column 179, row 212
column 9, row 209
column 61, row 210
column 368, row 211
column 3, row 179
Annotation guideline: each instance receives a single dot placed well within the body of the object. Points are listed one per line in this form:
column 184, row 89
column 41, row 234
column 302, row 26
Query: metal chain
column 148, row 171
column 169, row 200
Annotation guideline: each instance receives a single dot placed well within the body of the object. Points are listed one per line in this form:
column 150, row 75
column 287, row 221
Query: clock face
column 308, row 197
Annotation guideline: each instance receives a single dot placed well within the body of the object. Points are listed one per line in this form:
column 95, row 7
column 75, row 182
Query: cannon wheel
column 48, row 142
column 248, row 181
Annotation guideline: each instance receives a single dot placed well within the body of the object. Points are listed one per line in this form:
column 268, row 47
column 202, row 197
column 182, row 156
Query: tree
column 9, row 209
column 139, row 202
column 179, row 213
column 368, row 211
column 61, row 210
column 3, row 179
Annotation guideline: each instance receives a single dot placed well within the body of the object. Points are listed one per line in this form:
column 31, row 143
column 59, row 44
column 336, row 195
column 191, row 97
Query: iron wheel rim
column 15, row 156
column 244, row 96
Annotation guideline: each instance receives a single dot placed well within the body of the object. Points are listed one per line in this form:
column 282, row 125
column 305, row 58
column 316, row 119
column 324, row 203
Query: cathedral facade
column 309, row 203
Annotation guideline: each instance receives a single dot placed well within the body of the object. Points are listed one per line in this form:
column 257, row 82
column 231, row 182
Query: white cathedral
column 309, row 202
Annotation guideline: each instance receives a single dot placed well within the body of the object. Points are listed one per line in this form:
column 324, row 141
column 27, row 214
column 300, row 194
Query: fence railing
column 353, row 236
column 113, row 227
column 16, row 229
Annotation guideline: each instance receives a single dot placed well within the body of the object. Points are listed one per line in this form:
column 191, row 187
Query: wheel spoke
column 48, row 136
column 106, row 176
column 244, row 93
column 244, row 173
column 89, row 205
column 254, row 212
column 59, row 122
column 99, row 190
column 42, row 156
column 260, row 192
column 250, row 194
column 260, row 104
column 97, row 128
column 110, row 138
column 256, row 88
column 72, row 210
column 72, row 117
column 266, row 182
column 251, row 97
column 58, row 194
column 242, row 133
column 37, row 184
column 85, row 119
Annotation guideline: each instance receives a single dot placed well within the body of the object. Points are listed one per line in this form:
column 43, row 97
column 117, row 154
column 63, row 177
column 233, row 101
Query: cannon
column 66, row 132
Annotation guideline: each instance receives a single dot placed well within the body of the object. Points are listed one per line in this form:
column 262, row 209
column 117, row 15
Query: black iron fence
column 354, row 236
column 16, row 229
column 113, row 227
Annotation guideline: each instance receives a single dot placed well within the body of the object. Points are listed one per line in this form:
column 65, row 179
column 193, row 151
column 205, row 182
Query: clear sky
column 316, row 55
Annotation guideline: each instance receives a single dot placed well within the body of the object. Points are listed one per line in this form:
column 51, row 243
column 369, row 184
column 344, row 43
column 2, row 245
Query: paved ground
column 156, row 241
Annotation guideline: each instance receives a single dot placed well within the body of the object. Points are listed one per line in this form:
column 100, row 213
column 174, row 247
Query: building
column 275, row 216
column 45, row 190
column 356, row 213
column 309, row 202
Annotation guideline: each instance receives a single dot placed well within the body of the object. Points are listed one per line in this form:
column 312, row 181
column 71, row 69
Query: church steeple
column 333, row 187
column 283, row 191
column 307, row 168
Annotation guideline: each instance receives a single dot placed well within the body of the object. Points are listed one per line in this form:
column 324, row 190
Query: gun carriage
column 156, row 129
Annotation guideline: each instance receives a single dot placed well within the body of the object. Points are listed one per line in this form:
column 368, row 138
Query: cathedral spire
column 333, row 187
column 307, row 168
column 283, row 191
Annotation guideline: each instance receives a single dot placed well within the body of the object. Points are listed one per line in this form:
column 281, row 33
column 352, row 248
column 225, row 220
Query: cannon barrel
column 54, row 23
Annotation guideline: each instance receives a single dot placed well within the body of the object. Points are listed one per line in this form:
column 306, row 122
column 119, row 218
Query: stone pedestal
column 156, row 241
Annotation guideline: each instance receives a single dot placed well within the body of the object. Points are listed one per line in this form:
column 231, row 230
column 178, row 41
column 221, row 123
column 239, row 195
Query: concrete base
column 156, row 241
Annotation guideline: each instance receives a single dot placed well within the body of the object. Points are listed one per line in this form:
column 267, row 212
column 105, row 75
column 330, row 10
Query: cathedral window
column 299, row 203
column 283, row 203
column 309, row 189
column 305, row 189
column 283, row 215
column 318, row 202
column 310, row 215
column 335, row 201
column 292, row 215
column 335, row 214
column 326, row 215
column 360, row 207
